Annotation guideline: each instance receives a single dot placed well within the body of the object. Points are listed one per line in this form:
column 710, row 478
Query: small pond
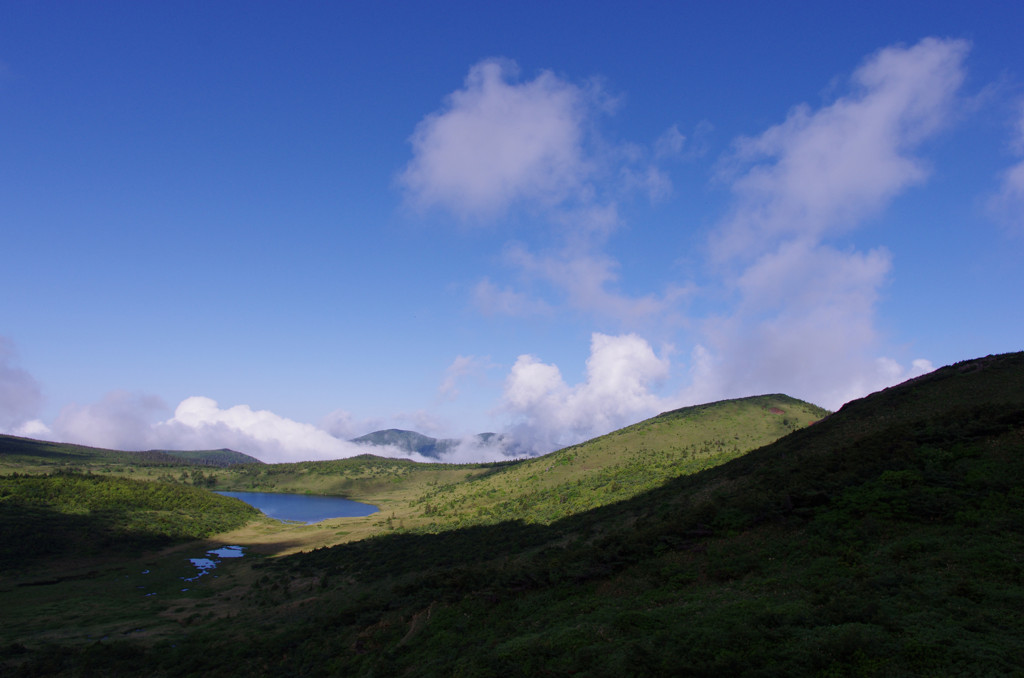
column 205, row 565
column 303, row 508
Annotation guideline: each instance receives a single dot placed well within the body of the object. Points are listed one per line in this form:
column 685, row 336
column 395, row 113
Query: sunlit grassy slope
column 616, row 466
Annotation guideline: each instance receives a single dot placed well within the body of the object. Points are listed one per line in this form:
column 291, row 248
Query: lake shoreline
column 307, row 509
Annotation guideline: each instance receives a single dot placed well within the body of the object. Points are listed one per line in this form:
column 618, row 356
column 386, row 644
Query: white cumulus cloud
column 618, row 390
column 498, row 141
column 130, row 421
column 501, row 142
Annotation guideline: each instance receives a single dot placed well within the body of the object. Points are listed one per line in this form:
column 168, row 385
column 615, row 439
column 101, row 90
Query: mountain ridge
column 435, row 448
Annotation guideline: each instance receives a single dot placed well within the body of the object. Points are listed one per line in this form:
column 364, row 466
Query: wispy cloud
column 499, row 143
column 800, row 311
column 804, row 325
column 670, row 143
column 587, row 282
column 804, row 317
column 1008, row 203
column 20, row 395
column 463, row 367
column 823, row 171
column 490, row 299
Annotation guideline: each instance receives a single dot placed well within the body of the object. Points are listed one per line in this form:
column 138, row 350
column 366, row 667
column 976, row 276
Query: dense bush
column 70, row 513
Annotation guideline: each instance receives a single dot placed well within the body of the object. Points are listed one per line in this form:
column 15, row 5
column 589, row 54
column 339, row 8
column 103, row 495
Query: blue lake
column 303, row 508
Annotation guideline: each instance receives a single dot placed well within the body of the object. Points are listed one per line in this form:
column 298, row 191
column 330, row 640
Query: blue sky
column 276, row 226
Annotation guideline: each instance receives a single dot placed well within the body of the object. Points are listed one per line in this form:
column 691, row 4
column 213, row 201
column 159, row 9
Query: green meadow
column 754, row 537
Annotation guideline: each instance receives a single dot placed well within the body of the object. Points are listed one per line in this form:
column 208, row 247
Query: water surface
column 303, row 508
column 205, row 565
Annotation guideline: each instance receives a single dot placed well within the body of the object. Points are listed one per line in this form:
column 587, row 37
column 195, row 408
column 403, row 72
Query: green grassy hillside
column 68, row 514
column 220, row 457
column 28, row 455
column 616, row 466
column 622, row 464
column 885, row 540
column 432, row 496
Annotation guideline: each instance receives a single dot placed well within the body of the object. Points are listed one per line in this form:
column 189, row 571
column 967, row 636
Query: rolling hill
column 884, row 540
column 18, row 453
column 433, row 497
column 618, row 465
column 220, row 458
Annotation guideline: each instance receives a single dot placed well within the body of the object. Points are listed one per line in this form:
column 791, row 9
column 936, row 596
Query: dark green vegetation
column 221, row 458
column 70, row 514
column 885, row 540
column 364, row 475
column 21, row 454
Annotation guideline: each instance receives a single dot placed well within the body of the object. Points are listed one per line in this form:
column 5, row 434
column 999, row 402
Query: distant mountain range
column 413, row 442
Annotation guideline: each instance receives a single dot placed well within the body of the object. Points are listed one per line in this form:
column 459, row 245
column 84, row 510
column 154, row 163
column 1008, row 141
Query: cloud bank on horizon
column 794, row 306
